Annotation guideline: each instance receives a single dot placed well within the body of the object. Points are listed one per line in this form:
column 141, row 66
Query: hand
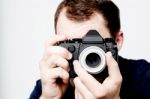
column 87, row 87
column 54, row 69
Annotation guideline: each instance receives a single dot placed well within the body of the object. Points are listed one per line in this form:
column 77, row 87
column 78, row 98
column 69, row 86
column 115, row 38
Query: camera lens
column 93, row 60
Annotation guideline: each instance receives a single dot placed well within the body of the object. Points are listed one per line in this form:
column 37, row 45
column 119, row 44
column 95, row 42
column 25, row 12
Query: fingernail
column 70, row 56
column 74, row 62
column 109, row 54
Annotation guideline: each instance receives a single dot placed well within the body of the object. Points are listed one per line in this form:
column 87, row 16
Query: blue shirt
column 135, row 85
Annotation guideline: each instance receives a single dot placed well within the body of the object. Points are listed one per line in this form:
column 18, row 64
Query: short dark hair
column 81, row 10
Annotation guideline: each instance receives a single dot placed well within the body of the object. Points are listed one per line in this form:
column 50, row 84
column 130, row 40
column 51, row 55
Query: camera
column 90, row 51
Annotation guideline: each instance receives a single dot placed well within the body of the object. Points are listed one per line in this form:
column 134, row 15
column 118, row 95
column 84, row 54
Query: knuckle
column 97, row 94
column 115, row 63
column 66, row 63
column 52, row 61
column 48, row 50
column 67, row 75
column 48, row 42
column 119, row 80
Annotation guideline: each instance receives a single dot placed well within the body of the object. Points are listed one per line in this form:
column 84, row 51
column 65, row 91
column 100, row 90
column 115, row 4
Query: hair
column 82, row 10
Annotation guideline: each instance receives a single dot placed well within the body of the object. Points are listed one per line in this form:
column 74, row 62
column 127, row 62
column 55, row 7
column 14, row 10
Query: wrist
column 118, row 97
column 42, row 97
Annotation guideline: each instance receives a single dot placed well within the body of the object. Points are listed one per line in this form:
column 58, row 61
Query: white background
column 26, row 24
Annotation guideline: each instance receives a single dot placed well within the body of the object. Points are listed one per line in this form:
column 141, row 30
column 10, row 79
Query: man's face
column 72, row 29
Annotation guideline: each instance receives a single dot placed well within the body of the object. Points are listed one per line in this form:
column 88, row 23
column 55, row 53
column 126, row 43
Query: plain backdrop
column 26, row 24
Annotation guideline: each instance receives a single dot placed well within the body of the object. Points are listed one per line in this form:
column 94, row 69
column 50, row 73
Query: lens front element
column 92, row 59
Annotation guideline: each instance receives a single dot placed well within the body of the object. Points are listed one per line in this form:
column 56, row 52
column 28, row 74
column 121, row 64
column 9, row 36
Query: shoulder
column 133, row 64
column 136, row 78
column 36, row 93
column 134, row 68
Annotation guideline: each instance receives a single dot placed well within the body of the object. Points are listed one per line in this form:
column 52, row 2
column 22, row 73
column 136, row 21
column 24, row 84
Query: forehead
column 73, row 29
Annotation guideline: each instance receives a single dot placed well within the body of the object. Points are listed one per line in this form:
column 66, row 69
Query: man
column 74, row 18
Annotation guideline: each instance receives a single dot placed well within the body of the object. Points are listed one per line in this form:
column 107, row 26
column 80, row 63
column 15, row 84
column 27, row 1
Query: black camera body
column 90, row 51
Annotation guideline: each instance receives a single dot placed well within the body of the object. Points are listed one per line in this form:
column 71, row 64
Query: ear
column 119, row 39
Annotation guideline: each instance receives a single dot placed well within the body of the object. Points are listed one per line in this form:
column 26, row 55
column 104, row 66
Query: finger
column 78, row 95
column 59, row 72
column 81, row 90
column 57, row 61
column 113, row 68
column 55, row 39
column 57, row 50
column 89, row 81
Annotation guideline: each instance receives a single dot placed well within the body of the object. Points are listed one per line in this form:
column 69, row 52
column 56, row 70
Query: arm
column 36, row 93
